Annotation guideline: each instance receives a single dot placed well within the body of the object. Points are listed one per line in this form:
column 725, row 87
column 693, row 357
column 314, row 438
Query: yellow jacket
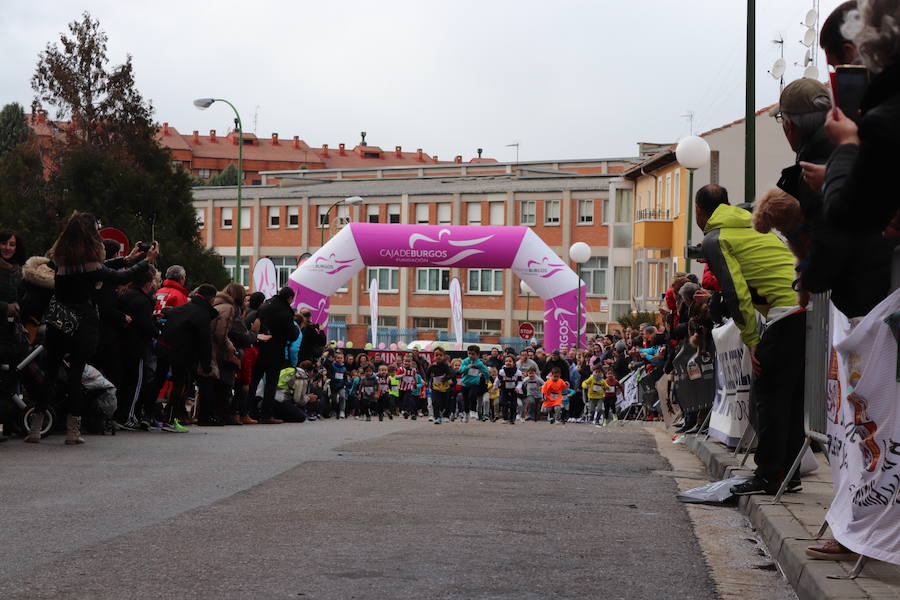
column 596, row 388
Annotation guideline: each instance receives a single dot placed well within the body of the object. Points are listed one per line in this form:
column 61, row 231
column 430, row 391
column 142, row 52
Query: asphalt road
column 348, row 510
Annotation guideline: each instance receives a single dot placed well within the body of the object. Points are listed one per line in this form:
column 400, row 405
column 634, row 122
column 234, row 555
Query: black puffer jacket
column 136, row 336
column 276, row 318
column 860, row 195
column 186, row 340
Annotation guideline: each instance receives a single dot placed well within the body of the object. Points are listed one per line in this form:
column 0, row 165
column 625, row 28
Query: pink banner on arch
column 307, row 299
column 437, row 245
column 561, row 320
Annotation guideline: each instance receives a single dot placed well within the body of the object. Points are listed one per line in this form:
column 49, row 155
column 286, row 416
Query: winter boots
column 73, row 431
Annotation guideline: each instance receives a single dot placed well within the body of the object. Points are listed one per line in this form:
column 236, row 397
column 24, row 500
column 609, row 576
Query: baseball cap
column 803, row 96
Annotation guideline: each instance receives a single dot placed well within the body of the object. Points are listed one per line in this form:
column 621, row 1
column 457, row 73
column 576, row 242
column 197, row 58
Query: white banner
column 456, row 311
column 864, row 434
column 734, row 369
column 264, row 278
column 629, row 397
column 373, row 310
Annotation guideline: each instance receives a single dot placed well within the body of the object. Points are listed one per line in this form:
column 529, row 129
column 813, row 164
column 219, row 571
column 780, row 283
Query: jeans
column 339, row 401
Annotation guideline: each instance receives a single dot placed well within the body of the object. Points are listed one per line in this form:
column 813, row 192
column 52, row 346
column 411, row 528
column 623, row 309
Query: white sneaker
column 343, row 416
column 465, row 418
column 430, row 419
column 605, row 422
column 473, row 415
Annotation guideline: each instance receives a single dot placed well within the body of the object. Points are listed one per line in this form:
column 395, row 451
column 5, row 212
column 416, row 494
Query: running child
column 596, row 389
column 367, row 394
column 382, row 395
column 531, row 389
column 440, row 379
column 553, row 390
column 474, row 374
column 508, row 379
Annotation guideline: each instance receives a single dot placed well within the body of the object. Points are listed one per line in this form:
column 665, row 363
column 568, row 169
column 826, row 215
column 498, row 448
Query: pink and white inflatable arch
column 360, row 245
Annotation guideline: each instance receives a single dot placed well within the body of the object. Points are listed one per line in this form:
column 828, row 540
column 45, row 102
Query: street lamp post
column 352, row 201
column 580, row 253
column 203, row 104
column 527, row 291
column 692, row 153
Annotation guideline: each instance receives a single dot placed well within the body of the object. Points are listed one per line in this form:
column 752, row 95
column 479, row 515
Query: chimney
column 325, row 150
column 479, row 152
column 419, row 156
column 458, row 159
column 399, row 151
column 42, row 116
column 195, row 138
column 165, row 130
column 434, row 158
column 363, row 135
column 234, row 137
column 342, row 149
column 274, row 139
column 212, row 135
column 296, row 142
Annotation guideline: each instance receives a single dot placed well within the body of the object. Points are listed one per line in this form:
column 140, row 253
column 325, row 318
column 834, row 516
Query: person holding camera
column 312, row 343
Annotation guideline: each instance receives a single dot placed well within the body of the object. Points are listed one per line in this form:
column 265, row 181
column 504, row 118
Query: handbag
column 62, row 318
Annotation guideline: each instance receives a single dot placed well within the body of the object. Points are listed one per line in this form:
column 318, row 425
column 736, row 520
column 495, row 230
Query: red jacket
column 170, row 295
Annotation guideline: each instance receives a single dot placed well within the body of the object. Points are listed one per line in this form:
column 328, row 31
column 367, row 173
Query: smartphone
column 693, row 252
column 848, row 86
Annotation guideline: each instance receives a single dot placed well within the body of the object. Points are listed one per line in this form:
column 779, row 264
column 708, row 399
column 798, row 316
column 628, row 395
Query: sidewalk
column 788, row 528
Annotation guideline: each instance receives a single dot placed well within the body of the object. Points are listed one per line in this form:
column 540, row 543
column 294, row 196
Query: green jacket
column 755, row 270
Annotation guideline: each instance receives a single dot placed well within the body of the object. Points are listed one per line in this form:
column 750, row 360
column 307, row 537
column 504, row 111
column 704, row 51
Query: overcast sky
column 566, row 79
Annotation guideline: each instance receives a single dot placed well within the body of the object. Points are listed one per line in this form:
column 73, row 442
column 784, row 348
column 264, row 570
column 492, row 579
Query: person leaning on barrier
column 755, row 272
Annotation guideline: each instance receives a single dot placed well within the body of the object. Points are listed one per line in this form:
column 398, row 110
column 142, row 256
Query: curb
column 785, row 536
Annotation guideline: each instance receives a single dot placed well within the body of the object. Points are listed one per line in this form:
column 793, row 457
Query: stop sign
column 526, row 331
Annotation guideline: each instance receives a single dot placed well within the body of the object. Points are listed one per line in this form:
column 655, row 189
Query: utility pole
column 750, row 107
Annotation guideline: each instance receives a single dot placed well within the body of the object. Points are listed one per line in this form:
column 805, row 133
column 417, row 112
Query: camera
column 144, row 246
column 693, row 252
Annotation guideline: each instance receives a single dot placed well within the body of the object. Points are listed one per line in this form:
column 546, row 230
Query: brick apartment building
column 562, row 201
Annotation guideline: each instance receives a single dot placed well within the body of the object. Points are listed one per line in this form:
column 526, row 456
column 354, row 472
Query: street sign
column 111, row 233
column 526, row 331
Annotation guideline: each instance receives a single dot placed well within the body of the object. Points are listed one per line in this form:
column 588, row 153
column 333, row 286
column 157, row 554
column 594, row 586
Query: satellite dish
column 811, row 72
column 778, row 68
column 807, row 60
column 809, row 38
column 811, row 17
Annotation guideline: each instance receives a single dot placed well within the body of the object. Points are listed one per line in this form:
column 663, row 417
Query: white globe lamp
column 692, row 153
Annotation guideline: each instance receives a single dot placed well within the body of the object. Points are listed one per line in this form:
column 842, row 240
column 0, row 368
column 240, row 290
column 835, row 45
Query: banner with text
column 734, row 370
column 864, row 434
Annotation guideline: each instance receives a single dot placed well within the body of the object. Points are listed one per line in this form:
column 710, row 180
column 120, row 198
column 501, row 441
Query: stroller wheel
column 48, row 421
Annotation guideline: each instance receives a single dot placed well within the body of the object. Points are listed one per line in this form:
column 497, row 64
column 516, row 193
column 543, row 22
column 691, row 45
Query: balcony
column 652, row 214
column 653, row 233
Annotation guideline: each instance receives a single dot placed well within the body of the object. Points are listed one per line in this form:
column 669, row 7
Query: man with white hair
column 172, row 293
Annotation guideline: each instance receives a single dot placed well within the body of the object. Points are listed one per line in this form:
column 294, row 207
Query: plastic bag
column 715, row 492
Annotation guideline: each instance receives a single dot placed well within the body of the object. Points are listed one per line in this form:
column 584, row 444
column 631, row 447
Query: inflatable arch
column 360, row 245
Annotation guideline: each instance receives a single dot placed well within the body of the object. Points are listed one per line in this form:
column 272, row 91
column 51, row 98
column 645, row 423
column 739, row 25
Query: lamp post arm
column 328, row 212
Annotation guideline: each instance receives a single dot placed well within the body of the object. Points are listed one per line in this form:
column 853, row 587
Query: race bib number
column 597, row 387
column 407, row 379
column 474, row 372
column 338, row 375
column 383, row 387
column 554, row 396
column 510, row 385
column 437, row 379
column 533, row 388
column 368, row 391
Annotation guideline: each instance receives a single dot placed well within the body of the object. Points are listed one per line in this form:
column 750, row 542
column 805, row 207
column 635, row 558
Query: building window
column 484, row 326
column 622, row 235
column 323, row 216
column 245, row 218
column 229, row 263
column 444, row 213
column 496, row 211
column 203, row 173
column 421, row 214
column 473, row 213
column 227, row 218
column 622, row 283
column 668, row 197
column 586, row 211
column 430, row 323
column 293, row 217
column 201, row 217
column 623, row 207
column 657, row 205
column 527, row 211
column 274, row 217
column 393, row 213
column 593, row 272
column 485, row 281
column 432, row 280
column 551, row 212
column 343, row 215
column 372, row 213
column 388, row 278
column 284, row 266
column 676, row 193
column 714, row 167
column 383, row 321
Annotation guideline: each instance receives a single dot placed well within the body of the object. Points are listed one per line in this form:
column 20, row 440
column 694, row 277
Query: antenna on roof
column 689, row 115
column 778, row 67
column 255, row 118
column 516, row 144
